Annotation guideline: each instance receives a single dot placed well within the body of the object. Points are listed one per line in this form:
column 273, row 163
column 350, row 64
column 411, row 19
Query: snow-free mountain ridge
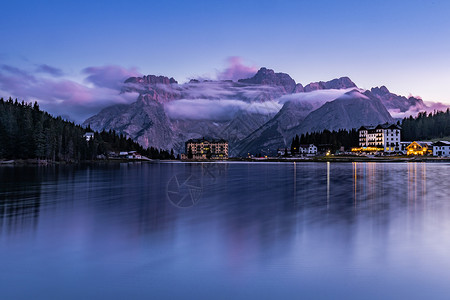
column 256, row 114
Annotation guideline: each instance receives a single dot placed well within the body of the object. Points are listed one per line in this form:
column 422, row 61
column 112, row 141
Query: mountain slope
column 255, row 114
column 394, row 102
column 351, row 110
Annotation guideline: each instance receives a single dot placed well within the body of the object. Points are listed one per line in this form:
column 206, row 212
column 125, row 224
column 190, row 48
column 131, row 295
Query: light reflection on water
column 264, row 230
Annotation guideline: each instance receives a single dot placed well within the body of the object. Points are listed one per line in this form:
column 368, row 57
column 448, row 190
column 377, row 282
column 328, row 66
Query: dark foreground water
column 226, row 231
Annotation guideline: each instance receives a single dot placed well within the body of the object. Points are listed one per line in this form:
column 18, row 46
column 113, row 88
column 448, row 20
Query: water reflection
column 20, row 191
column 266, row 230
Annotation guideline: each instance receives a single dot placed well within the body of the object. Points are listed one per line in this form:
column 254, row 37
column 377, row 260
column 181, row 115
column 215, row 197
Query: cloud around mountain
column 63, row 96
column 217, row 110
column 236, row 70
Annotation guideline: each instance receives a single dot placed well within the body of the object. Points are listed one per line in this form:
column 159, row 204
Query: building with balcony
column 206, row 149
column 382, row 138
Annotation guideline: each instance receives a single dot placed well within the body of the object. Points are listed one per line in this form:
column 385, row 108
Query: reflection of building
column 207, row 149
column 419, row 148
column 441, row 148
column 381, row 138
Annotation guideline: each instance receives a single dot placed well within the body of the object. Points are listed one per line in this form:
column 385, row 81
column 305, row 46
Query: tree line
column 426, row 126
column 28, row 132
column 334, row 139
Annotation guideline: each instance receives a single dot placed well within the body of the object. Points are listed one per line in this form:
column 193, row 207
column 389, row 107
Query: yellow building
column 419, row 148
column 207, row 149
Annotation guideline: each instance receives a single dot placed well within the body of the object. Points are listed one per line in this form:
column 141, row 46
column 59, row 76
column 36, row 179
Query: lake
column 225, row 231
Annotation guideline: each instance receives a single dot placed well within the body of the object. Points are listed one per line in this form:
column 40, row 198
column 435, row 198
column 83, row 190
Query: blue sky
column 401, row 44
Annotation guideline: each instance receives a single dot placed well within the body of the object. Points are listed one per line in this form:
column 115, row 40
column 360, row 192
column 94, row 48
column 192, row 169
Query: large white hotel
column 381, row 138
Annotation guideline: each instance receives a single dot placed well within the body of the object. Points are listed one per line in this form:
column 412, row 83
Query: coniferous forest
column 27, row 132
column 426, row 126
column 336, row 139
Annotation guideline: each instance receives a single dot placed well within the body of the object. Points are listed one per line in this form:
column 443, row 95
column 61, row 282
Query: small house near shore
column 441, row 148
column 419, row 148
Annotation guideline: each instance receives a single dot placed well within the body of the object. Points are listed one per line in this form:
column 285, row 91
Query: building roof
column 380, row 126
column 441, row 143
column 422, row 144
column 210, row 140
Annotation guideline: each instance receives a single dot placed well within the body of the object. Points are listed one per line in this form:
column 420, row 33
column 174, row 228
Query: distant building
column 403, row 146
column 441, row 148
column 419, row 148
column 89, row 136
column 381, row 138
column 123, row 154
column 134, row 155
column 325, row 148
column 207, row 149
column 284, row 152
column 303, row 150
column 308, row 150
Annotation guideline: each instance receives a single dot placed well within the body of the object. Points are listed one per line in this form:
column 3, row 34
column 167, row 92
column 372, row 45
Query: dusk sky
column 75, row 51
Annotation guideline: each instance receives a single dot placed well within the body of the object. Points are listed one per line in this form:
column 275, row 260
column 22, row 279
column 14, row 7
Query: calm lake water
column 226, row 231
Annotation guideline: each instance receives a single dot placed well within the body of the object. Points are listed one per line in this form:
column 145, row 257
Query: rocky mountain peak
column 380, row 90
column 269, row 77
column 338, row 83
column 151, row 79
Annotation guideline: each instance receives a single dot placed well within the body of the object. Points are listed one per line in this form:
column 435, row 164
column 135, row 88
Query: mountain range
column 256, row 115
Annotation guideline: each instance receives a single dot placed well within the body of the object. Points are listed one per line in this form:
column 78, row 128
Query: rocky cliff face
column 394, row 102
column 351, row 110
column 339, row 83
column 258, row 114
column 269, row 77
column 151, row 79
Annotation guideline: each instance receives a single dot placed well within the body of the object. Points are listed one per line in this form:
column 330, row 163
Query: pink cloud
column 414, row 110
column 62, row 96
column 236, row 70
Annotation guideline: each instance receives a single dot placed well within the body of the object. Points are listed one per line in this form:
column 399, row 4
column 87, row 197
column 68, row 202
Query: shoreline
column 323, row 159
column 330, row 159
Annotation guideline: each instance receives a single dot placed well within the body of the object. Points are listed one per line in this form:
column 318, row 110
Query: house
column 308, row 150
column 325, row 148
column 134, row 155
column 207, row 149
column 419, row 148
column 284, row 152
column 403, row 146
column 441, row 148
column 89, row 136
column 123, row 154
column 381, row 138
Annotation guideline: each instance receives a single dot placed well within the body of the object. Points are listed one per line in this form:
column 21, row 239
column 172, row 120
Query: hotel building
column 206, row 149
column 381, row 138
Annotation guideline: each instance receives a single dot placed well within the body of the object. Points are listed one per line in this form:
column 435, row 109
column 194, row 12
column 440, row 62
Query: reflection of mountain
column 258, row 113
